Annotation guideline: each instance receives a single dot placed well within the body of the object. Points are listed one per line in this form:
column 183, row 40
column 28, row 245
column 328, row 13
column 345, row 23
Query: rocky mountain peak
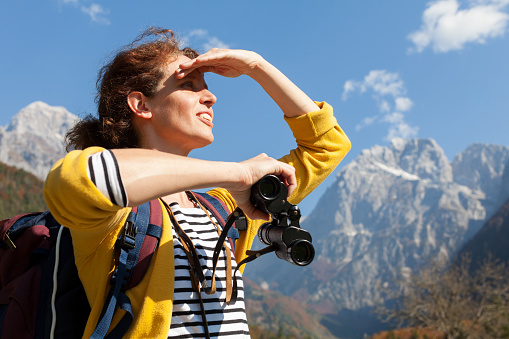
column 42, row 119
column 481, row 166
column 414, row 159
column 34, row 140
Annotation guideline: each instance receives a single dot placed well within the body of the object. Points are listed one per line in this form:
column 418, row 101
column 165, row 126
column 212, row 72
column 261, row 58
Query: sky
column 392, row 68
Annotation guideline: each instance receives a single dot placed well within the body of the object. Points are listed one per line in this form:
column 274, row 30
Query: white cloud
column 394, row 118
column 366, row 122
column 96, row 13
column 401, row 130
column 403, row 104
column 204, row 39
column 348, row 87
column 198, row 32
column 214, row 42
column 383, row 83
column 446, row 27
column 384, row 106
column 389, row 92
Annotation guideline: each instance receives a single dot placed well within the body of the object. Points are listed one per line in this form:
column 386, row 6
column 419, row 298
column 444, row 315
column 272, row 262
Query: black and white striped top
column 225, row 321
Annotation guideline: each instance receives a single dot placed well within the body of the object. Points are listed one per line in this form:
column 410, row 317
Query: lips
column 206, row 116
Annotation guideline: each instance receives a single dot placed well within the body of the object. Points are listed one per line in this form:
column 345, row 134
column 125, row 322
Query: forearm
column 233, row 63
column 290, row 98
column 149, row 174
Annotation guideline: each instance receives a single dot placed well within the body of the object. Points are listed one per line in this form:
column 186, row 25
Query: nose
column 207, row 98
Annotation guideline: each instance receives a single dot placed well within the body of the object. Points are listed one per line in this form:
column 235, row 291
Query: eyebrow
column 194, row 75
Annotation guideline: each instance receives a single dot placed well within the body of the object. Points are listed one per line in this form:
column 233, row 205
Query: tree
column 457, row 300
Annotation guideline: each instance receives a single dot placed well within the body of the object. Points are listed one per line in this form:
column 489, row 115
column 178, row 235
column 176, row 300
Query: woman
column 154, row 108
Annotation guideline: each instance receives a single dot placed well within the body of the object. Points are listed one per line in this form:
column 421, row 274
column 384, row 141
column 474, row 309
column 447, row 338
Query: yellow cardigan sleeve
column 321, row 145
column 76, row 203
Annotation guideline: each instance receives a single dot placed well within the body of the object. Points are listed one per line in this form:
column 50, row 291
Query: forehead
column 170, row 69
column 174, row 64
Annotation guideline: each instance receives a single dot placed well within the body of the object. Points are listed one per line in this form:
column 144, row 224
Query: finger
column 209, row 57
column 289, row 177
column 256, row 214
column 182, row 73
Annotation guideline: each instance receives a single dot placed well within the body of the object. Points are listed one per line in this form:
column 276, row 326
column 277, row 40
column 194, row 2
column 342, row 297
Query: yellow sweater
column 95, row 222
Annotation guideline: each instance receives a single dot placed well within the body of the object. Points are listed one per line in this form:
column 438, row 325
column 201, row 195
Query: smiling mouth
column 205, row 116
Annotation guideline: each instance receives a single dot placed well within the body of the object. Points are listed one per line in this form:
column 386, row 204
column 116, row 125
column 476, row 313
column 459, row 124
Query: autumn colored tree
column 459, row 301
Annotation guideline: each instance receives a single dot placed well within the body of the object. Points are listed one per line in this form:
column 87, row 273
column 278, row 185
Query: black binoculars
column 292, row 243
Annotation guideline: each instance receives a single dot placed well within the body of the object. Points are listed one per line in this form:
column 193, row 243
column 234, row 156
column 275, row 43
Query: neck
column 181, row 198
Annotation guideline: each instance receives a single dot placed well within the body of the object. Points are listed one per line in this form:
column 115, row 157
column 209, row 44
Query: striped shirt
column 225, row 321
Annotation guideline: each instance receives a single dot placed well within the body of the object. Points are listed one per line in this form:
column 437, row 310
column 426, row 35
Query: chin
column 205, row 142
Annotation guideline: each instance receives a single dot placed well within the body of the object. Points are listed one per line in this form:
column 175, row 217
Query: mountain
column 20, row 192
column 34, row 140
column 492, row 240
column 388, row 212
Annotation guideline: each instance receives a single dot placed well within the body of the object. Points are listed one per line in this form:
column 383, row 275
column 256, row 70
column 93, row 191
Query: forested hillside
column 20, row 192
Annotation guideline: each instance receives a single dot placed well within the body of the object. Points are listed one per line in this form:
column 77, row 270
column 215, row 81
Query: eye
column 187, row 84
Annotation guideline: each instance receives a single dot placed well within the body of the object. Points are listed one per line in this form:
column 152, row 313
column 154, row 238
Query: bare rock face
column 389, row 212
column 34, row 140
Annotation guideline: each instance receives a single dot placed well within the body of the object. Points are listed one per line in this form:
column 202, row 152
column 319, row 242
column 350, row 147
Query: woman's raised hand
column 226, row 62
column 235, row 62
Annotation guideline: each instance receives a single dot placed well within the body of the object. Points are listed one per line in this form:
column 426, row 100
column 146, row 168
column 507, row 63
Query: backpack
column 41, row 295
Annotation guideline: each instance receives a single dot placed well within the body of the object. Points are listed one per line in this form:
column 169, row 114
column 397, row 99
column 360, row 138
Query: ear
column 138, row 104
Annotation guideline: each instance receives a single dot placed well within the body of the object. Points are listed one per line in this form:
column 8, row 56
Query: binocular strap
column 198, row 279
column 252, row 255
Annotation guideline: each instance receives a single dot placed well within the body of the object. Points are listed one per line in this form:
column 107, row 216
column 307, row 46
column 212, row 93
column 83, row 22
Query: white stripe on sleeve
column 103, row 171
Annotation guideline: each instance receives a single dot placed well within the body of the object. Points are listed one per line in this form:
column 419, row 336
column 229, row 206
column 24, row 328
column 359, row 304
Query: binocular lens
column 269, row 189
column 302, row 252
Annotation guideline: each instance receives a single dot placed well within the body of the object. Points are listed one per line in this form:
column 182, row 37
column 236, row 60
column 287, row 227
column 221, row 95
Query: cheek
column 183, row 100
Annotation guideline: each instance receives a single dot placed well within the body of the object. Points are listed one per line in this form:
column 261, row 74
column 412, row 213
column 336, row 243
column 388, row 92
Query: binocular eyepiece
column 292, row 243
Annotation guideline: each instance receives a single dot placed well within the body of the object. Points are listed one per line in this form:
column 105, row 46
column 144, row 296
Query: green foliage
column 20, row 192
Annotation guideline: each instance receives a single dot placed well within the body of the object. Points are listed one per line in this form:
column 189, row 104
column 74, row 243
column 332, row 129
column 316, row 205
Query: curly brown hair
column 136, row 67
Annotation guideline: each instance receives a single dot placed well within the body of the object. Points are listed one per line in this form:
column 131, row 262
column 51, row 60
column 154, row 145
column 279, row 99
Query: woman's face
column 181, row 111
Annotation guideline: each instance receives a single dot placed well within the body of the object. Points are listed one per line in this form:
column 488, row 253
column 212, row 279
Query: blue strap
column 233, row 233
column 126, row 262
column 215, row 203
column 154, row 231
column 111, row 301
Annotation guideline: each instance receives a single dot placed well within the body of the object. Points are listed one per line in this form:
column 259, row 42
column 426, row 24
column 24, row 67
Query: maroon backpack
column 41, row 295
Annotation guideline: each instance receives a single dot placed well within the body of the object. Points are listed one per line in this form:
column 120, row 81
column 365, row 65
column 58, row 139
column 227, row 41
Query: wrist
column 234, row 176
column 257, row 66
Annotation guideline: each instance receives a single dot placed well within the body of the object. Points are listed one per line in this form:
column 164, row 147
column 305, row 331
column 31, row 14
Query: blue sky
column 390, row 68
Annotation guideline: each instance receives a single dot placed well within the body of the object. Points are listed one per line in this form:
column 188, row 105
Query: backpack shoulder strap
column 221, row 212
column 137, row 243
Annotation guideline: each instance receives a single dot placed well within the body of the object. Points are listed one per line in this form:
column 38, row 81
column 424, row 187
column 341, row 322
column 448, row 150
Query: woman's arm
column 233, row 63
column 149, row 174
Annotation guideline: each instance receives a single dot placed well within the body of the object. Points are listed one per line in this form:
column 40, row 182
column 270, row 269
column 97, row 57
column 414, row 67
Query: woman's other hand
column 253, row 170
